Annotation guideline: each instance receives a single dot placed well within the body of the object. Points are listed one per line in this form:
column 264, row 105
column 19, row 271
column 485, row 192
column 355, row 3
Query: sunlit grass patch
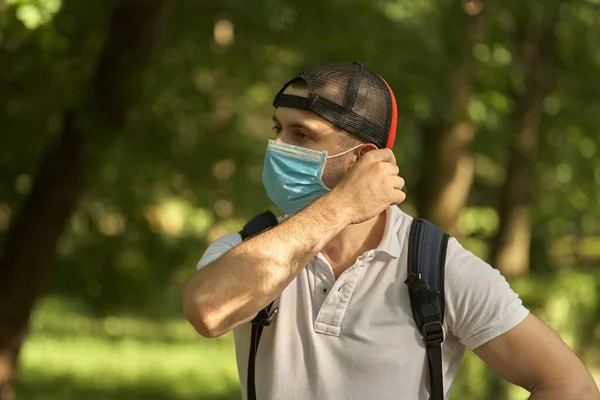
column 71, row 356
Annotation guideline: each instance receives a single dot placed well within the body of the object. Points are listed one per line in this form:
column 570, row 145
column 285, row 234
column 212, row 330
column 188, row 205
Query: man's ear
column 367, row 148
column 361, row 151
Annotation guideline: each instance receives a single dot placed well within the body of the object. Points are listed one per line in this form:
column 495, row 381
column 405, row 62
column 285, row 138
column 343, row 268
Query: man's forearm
column 235, row 287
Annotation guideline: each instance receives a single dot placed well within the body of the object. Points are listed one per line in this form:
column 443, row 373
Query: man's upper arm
column 218, row 248
column 480, row 305
column 532, row 356
column 487, row 316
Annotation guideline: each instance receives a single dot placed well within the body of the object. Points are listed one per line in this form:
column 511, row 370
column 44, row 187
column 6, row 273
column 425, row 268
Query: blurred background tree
column 118, row 168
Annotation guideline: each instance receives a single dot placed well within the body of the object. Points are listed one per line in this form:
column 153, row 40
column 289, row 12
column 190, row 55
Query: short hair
column 345, row 138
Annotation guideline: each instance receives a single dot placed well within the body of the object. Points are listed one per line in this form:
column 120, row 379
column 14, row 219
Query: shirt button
column 324, row 290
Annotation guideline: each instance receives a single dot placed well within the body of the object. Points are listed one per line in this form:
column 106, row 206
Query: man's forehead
column 296, row 91
column 293, row 116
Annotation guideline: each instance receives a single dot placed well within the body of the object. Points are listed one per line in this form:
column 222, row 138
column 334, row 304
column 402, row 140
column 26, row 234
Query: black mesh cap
column 349, row 96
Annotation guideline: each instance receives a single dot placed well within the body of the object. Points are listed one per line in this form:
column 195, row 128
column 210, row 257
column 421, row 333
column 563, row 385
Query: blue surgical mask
column 292, row 175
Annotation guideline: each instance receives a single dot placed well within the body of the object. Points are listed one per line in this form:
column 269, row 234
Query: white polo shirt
column 354, row 338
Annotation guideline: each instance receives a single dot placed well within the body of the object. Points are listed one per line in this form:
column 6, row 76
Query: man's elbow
column 202, row 319
column 589, row 391
column 198, row 322
column 574, row 387
column 202, row 322
column 583, row 385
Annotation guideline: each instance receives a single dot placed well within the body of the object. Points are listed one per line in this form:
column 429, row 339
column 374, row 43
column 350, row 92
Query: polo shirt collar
column 390, row 243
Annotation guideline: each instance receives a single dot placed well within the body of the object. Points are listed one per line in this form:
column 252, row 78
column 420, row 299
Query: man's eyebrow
column 296, row 125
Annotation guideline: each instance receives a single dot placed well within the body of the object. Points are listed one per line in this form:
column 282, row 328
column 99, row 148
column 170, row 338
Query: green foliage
column 187, row 168
column 34, row 13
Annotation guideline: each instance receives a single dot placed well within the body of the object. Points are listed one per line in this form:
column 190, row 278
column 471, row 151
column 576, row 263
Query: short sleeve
column 480, row 304
column 218, row 248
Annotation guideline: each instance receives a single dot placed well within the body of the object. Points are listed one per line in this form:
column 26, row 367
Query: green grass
column 71, row 356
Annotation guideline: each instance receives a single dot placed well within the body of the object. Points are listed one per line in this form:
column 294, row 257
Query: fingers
column 394, row 182
column 398, row 197
column 398, row 182
column 386, row 168
column 401, row 197
column 398, row 194
column 385, row 155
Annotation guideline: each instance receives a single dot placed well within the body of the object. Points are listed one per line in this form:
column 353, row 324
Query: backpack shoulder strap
column 258, row 224
column 255, row 226
column 426, row 266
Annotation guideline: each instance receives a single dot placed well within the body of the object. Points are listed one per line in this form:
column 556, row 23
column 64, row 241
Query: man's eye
column 300, row 135
column 277, row 130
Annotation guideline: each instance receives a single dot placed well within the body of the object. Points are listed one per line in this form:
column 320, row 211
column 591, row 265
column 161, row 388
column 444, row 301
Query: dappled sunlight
column 479, row 100
column 481, row 52
column 35, row 13
column 569, row 249
column 552, row 105
column 476, row 225
column 223, row 32
column 491, row 171
column 112, row 224
column 502, row 55
column 223, row 208
column 175, row 217
column 200, row 221
column 399, row 10
column 477, row 111
column 473, row 7
column 479, row 221
column 23, row 184
column 231, row 225
column 223, row 169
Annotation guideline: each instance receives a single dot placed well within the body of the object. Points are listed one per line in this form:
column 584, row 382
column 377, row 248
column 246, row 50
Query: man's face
column 306, row 129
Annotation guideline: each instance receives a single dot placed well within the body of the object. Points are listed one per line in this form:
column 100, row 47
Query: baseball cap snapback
column 349, row 96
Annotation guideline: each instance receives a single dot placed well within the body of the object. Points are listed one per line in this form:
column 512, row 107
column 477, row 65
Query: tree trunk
column 31, row 243
column 447, row 174
column 510, row 252
column 447, row 165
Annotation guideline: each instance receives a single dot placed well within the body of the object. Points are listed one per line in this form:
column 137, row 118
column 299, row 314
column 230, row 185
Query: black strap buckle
column 433, row 333
column 419, row 287
column 264, row 317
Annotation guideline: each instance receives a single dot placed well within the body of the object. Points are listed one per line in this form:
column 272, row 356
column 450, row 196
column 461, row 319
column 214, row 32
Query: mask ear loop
column 345, row 152
column 334, row 156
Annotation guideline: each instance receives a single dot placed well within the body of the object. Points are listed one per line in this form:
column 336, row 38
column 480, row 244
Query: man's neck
column 343, row 250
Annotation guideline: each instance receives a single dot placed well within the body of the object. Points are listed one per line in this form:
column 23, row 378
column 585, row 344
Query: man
column 337, row 263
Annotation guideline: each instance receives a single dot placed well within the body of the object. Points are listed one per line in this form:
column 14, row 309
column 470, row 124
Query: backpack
column 426, row 264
